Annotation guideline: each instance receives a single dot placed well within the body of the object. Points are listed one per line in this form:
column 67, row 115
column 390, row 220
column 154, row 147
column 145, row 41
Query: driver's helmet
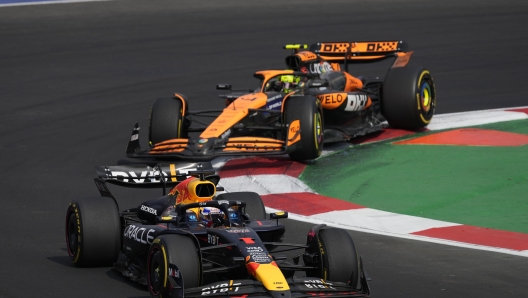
column 212, row 216
column 289, row 82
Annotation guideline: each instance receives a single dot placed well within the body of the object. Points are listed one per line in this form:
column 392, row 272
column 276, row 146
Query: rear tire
column 93, row 232
column 179, row 250
column 408, row 97
column 308, row 111
column 339, row 256
column 254, row 205
column 166, row 119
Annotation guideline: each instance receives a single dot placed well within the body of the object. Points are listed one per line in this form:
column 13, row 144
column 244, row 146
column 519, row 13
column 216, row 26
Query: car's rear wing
column 358, row 51
column 157, row 176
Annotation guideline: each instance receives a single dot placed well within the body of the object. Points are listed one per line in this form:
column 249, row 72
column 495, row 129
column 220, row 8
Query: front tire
column 93, row 232
column 408, row 97
column 339, row 256
column 173, row 259
column 167, row 119
column 304, row 113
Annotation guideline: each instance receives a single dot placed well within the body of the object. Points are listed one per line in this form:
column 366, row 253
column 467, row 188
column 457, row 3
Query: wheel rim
column 71, row 234
column 156, row 272
column 426, row 96
column 318, row 130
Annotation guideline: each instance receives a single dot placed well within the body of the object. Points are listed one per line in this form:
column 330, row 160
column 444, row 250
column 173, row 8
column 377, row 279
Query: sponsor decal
column 258, row 254
column 275, row 105
column 212, row 239
column 294, row 129
column 202, row 141
column 306, row 56
column 356, row 102
column 332, row 100
column 149, row 210
column 381, row 46
column 293, row 136
column 274, row 97
column 174, row 272
column 144, row 176
column 237, row 230
column 359, row 47
column 321, row 67
column 141, row 235
column 220, row 288
column 274, row 102
column 134, row 137
column 336, row 47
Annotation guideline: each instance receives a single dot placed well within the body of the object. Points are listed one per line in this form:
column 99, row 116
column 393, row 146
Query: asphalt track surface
column 74, row 78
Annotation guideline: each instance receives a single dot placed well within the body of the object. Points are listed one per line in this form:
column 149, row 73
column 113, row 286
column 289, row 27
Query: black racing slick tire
column 254, row 206
column 304, row 116
column 408, row 97
column 173, row 264
column 339, row 256
column 167, row 119
column 93, row 232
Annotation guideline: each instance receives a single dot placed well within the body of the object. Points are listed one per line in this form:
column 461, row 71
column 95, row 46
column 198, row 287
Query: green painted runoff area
column 473, row 185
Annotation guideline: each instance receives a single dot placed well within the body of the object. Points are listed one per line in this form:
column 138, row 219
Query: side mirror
column 223, row 87
column 278, row 215
column 168, row 219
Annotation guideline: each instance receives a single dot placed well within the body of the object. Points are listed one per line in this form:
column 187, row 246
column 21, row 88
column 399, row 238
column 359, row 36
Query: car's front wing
column 207, row 149
column 298, row 287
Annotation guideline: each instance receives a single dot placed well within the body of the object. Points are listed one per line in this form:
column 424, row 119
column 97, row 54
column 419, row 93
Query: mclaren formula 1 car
column 193, row 242
column 295, row 111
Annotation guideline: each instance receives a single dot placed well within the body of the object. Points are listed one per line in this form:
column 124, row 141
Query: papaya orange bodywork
column 253, row 144
column 235, row 112
column 294, row 134
column 169, row 146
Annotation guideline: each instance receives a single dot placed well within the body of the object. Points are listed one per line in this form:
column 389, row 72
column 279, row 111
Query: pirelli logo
column 344, row 47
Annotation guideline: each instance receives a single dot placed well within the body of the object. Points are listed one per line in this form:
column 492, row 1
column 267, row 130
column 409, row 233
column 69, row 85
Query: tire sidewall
column 402, row 100
column 166, row 119
column 173, row 250
column 339, row 256
column 308, row 110
column 98, row 231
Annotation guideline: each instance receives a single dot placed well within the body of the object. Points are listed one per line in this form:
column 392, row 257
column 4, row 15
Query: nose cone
column 270, row 276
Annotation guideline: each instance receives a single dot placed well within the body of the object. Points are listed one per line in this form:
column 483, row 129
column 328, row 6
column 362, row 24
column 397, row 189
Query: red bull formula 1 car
column 193, row 242
column 295, row 111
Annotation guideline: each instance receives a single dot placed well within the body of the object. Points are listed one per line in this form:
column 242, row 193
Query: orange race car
column 295, row 111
